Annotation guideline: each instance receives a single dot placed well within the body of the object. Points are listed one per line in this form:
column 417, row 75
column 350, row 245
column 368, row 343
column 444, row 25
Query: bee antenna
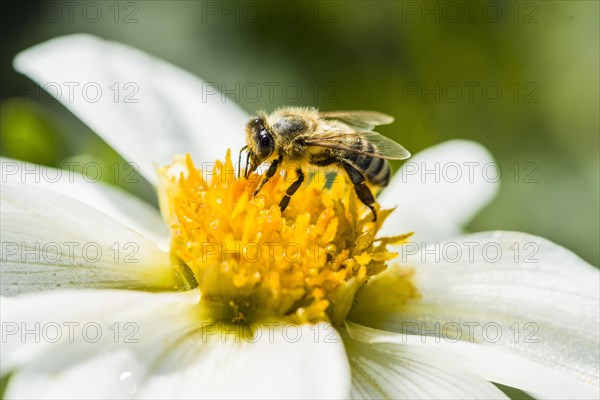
column 239, row 166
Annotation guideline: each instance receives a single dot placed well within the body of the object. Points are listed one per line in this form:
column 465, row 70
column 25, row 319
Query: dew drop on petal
column 128, row 381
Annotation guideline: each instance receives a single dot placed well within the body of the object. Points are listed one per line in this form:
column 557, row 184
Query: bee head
column 260, row 143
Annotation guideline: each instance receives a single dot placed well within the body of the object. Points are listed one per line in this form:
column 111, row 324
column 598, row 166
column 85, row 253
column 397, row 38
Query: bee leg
column 361, row 189
column 270, row 172
column 239, row 166
column 291, row 190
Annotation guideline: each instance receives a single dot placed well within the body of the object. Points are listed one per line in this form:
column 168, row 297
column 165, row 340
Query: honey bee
column 305, row 135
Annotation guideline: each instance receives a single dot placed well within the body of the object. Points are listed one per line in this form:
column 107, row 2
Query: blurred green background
column 519, row 77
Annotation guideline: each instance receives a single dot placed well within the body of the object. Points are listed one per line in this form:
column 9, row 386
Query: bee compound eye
column 265, row 144
column 265, row 140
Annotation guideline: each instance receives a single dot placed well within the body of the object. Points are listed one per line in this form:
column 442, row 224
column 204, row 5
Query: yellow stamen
column 305, row 265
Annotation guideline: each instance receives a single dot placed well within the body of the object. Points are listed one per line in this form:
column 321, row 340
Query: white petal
column 279, row 361
column 107, row 375
column 48, row 331
column 148, row 110
column 487, row 362
column 50, row 241
column 395, row 371
column 176, row 355
column 521, row 302
column 114, row 202
column 89, row 343
column 439, row 190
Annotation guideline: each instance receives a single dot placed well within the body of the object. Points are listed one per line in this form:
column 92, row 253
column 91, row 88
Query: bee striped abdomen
column 379, row 172
column 376, row 170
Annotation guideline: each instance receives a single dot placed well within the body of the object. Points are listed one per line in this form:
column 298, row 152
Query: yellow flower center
column 252, row 262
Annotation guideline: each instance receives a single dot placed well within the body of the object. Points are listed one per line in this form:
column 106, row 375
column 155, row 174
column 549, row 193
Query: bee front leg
column 270, row 172
column 361, row 189
column 291, row 190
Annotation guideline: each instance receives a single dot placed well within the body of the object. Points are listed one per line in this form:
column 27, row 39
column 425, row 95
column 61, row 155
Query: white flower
column 432, row 327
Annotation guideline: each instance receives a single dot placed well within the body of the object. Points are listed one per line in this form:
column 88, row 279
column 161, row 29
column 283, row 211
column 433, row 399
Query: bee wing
column 383, row 147
column 358, row 119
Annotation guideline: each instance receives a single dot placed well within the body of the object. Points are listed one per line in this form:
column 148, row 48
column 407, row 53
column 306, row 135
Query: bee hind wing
column 359, row 119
